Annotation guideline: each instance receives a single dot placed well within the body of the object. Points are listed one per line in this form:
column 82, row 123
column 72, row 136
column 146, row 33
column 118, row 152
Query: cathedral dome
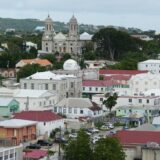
column 73, row 19
column 48, row 19
column 70, row 65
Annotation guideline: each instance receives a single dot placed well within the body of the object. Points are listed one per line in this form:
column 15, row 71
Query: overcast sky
column 144, row 14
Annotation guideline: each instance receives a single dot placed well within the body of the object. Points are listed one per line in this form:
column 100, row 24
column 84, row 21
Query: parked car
column 95, row 139
column 112, row 132
column 93, row 130
column 104, row 128
column 73, row 135
column 60, row 140
column 33, row 146
column 110, row 125
column 44, row 143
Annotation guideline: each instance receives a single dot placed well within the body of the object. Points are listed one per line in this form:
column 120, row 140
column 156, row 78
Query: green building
column 8, row 106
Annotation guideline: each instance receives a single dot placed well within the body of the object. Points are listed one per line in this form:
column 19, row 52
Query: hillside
column 28, row 25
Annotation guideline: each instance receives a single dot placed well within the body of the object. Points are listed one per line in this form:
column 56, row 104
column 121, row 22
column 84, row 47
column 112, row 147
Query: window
column 25, row 85
column 69, row 110
column 46, row 86
column 101, row 89
column 44, row 123
column 54, row 86
column 55, row 109
column 140, row 100
column 81, row 111
column 83, row 88
column 147, row 100
column 60, row 109
column 72, row 84
column 96, row 89
column 50, row 102
column 47, row 49
column 40, row 103
column 130, row 100
column 90, row 88
column 101, row 99
column 32, row 85
column 11, row 155
column 64, row 110
column 44, row 103
column 75, row 110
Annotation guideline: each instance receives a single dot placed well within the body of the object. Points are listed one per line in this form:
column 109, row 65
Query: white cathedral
column 71, row 43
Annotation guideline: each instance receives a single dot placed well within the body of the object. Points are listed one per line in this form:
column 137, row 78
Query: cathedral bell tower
column 73, row 28
column 48, row 36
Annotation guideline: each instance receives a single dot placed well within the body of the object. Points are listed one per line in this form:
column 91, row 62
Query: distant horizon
column 141, row 14
column 78, row 23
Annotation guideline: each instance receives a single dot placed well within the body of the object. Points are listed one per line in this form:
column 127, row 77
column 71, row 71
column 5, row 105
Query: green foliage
column 108, row 149
column 111, row 101
column 50, row 57
column 99, row 125
column 28, row 70
column 101, row 77
column 129, row 62
column 112, row 43
column 89, row 56
column 79, row 149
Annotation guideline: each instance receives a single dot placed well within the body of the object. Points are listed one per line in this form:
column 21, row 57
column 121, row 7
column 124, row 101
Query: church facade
column 71, row 43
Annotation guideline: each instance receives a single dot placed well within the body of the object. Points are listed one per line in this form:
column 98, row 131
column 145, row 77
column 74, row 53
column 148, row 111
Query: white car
column 111, row 126
column 73, row 135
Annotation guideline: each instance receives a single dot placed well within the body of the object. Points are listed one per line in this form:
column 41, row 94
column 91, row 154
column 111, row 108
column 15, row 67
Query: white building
column 142, row 82
column 150, row 65
column 46, row 120
column 63, row 85
column 98, row 64
column 30, row 45
column 31, row 99
column 78, row 107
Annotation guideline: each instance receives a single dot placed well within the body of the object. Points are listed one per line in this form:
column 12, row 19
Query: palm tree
column 111, row 101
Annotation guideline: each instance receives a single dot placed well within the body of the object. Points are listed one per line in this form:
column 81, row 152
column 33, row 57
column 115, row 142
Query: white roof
column 85, row 36
column 21, row 93
column 60, row 36
column 30, row 44
column 16, row 123
column 75, row 103
column 49, row 75
column 70, row 65
column 6, row 91
column 5, row 101
column 151, row 61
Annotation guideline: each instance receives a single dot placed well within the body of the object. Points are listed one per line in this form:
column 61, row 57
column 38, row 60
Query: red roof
column 138, row 137
column 35, row 154
column 126, row 72
column 99, row 83
column 42, row 62
column 118, row 77
column 42, row 116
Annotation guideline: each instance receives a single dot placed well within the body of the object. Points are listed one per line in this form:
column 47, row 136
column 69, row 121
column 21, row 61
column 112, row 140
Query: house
column 138, row 114
column 143, row 145
column 35, row 99
column 156, row 122
column 31, row 99
column 41, row 62
column 8, row 106
column 141, row 83
column 46, row 120
column 78, row 107
column 91, row 87
column 142, row 37
column 150, row 65
column 18, row 130
column 95, row 64
column 63, row 85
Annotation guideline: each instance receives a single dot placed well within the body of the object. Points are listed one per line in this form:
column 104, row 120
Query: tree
column 111, row 101
column 28, row 70
column 112, row 43
column 108, row 149
column 79, row 149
